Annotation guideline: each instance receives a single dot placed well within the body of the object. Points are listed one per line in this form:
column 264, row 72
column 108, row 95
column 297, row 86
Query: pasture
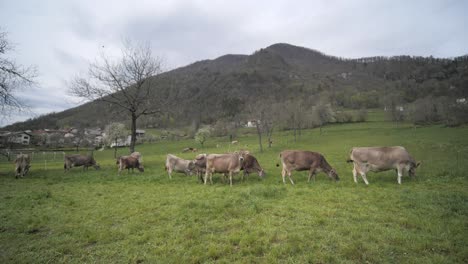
column 100, row 217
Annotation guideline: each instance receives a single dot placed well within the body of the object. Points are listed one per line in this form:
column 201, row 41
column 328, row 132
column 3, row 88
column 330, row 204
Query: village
column 60, row 138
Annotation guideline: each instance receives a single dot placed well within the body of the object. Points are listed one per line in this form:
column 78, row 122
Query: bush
column 343, row 117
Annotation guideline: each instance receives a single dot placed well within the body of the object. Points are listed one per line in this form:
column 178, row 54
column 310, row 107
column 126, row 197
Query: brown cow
column 223, row 163
column 250, row 164
column 200, row 166
column 129, row 162
column 305, row 160
column 378, row 159
column 22, row 165
column 77, row 160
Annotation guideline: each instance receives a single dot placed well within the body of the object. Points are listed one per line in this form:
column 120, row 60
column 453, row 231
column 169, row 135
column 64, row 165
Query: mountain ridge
column 281, row 72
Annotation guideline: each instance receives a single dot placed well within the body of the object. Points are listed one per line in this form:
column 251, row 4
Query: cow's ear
column 418, row 163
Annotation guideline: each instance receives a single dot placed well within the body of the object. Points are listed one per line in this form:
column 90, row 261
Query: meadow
column 101, row 217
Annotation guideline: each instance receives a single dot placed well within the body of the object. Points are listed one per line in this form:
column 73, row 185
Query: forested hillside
column 232, row 86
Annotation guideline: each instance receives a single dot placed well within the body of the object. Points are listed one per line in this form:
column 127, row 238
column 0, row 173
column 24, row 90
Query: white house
column 252, row 123
column 22, row 138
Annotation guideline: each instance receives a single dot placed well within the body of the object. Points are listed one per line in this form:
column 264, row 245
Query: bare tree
column 125, row 82
column 12, row 78
column 115, row 132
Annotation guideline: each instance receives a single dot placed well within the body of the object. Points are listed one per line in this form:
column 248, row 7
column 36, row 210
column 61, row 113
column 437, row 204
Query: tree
column 125, row 82
column 265, row 114
column 115, row 132
column 322, row 115
column 13, row 77
column 201, row 135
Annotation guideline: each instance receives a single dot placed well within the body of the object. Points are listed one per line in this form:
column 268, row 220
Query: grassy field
column 100, row 217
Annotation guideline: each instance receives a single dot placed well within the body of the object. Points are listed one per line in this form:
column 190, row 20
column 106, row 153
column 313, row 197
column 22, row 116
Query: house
column 23, row 138
column 252, row 123
column 140, row 133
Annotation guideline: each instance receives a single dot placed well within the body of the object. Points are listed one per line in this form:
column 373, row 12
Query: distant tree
column 115, row 132
column 201, row 135
column 322, row 114
column 126, row 82
column 13, row 77
column 266, row 115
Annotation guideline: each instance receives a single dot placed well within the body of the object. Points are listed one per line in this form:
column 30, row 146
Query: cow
column 250, row 165
column 223, row 163
column 22, row 165
column 378, row 159
column 305, row 160
column 174, row 163
column 129, row 162
column 138, row 156
column 77, row 160
column 200, row 166
column 190, row 149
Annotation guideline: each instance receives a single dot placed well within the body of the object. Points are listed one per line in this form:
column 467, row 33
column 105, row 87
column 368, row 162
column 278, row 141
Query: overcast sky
column 62, row 37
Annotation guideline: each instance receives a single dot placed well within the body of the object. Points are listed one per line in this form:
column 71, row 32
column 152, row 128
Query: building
column 22, row 137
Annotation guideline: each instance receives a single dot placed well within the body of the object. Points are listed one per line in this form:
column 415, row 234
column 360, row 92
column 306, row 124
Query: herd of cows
column 364, row 159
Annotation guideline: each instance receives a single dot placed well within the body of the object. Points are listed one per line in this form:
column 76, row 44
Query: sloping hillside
column 214, row 89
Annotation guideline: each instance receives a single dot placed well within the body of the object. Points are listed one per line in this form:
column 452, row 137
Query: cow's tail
column 277, row 163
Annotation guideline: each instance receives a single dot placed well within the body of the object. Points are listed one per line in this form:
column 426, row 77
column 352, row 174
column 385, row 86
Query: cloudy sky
column 62, row 37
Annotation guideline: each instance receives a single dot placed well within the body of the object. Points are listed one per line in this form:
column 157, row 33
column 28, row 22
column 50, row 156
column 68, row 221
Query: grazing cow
column 190, row 149
column 200, row 166
column 77, row 160
column 235, row 142
column 22, row 165
column 174, row 163
column 223, row 163
column 129, row 162
column 378, row 159
column 305, row 160
column 250, row 164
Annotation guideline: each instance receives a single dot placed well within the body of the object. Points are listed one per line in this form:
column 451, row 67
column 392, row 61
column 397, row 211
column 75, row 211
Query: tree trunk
column 270, row 133
column 295, row 139
column 259, row 133
column 115, row 149
column 133, row 135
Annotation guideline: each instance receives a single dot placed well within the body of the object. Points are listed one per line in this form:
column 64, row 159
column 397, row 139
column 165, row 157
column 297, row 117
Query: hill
column 210, row 90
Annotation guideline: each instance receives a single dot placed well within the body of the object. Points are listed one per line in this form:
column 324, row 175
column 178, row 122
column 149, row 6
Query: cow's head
column 333, row 175
column 261, row 173
column 190, row 168
column 412, row 169
column 96, row 166
column 141, row 168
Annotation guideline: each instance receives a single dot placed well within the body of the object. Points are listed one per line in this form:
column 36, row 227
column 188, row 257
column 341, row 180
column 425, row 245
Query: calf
column 77, row 160
column 129, row 162
column 223, row 163
column 305, row 160
column 378, row 159
column 174, row 163
column 22, row 165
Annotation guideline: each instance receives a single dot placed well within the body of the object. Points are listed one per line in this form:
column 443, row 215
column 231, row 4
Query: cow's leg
column 289, row 175
column 283, row 174
column 169, row 172
column 311, row 174
column 355, row 173
column 230, row 178
column 400, row 173
column 206, row 177
column 363, row 175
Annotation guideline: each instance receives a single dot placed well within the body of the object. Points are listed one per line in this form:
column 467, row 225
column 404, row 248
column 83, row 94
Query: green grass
column 98, row 216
